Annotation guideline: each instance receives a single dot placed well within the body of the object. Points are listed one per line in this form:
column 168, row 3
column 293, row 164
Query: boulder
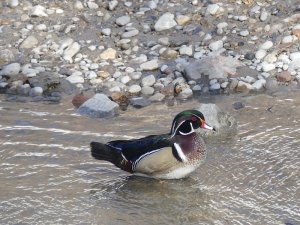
column 99, row 106
column 224, row 123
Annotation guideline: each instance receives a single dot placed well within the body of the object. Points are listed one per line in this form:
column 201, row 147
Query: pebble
column 244, row 33
column 29, row 42
column 260, row 54
column 259, row 84
column 130, row 34
column 106, row 31
column 266, row 45
column 70, row 51
column 146, row 90
column 38, row 11
column 123, row 20
column 36, row 91
column 212, row 9
column 134, row 89
column 148, row 81
column 92, row 5
column 150, row 65
column 10, row 70
column 75, row 79
column 158, row 97
column 288, row 39
column 13, row 3
column 264, row 15
column 139, row 102
column 243, row 87
column 182, row 19
column 125, row 79
column 109, row 53
column 294, row 56
column 78, row 5
column 186, row 50
column 216, row 45
column 215, row 86
column 112, row 5
column 165, row 22
column 266, row 67
column 284, row 76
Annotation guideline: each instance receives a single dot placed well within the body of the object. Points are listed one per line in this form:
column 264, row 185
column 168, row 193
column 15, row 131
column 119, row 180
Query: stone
column 78, row 5
column 139, row 102
column 36, row 91
column 216, row 45
column 288, row 39
column 24, row 89
column 212, row 9
column 158, row 97
column 243, row 87
column 6, row 56
column 259, row 84
column 238, row 105
column 125, row 79
column 186, row 50
column 165, row 22
column 249, row 56
column 260, row 54
column 266, row 67
column 264, row 15
column 75, row 79
column 244, row 33
column 148, row 81
column 215, row 86
column 140, row 59
column 48, row 81
column 112, row 5
column 271, row 84
column 29, row 42
column 146, row 90
column 123, row 20
column 152, row 4
column 134, row 89
column 106, row 31
column 130, row 33
column 284, row 76
column 78, row 100
column 295, row 56
column 99, row 106
column 150, row 65
column 135, row 75
column 109, row 53
column 186, row 93
column 10, row 70
column 70, row 51
column 13, row 3
column 92, row 5
column 215, row 67
column 266, row 45
column 223, row 122
column 38, row 11
column 182, row 19
column 248, row 79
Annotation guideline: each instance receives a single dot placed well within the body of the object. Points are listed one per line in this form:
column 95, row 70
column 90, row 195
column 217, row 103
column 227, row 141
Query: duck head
column 187, row 122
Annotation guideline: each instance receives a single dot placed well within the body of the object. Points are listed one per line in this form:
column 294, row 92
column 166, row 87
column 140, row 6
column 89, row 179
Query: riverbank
column 141, row 52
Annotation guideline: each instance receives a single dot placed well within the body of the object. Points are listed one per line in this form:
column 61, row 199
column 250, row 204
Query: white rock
column 289, row 39
column 248, row 79
column 216, row 45
column 186, row 50
column 90, row 75
column 260, row 54
column 259, row 84
column 41, row 27
column 13, row 3
column 147, row 90
column 130, row 33
column 150, row 65
column 152, row 4
column 267, row 45
column 148, row 81
column 125, row 79
column 36, row 91
column 140, row 59
column 10, row 69
column 92, row 5
column 244, row 33
column 106, row 31
column 212, row 9
column 75, row 79
column 109, row 53
column 39, row 11
column 165, row 22
column 135, row 89
column 222, row 25
column 123, row 20
column 78, row 5
column 266, row 67
column 71, row 51
column 29, row 42
column 224, row 84
column 215, row 86
column 242, row 18
column 112, row 4
column 264, row 15
column 135, row 75
column 295, row 56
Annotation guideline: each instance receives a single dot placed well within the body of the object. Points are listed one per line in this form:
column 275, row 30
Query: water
column 47, row 175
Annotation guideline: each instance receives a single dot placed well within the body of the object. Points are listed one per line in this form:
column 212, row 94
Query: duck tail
column 104, row 152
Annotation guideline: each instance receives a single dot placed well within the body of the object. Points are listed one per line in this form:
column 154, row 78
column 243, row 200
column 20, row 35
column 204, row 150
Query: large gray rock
column 224, row 123
column 215, row 67
column 99, row 106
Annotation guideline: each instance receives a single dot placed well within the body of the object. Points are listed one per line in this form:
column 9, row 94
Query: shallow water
column 47, row 175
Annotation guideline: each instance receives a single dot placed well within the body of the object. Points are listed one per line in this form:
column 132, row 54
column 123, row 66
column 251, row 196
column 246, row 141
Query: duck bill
column 206, row 126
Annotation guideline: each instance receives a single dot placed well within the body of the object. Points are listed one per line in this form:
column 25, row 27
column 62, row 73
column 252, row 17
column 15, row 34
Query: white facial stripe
column 192, row 131
column 180, row 152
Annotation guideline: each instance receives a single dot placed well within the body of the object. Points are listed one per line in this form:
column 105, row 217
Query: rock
column 186, row 50
column 121, row 99
column 75, row 79
column 165, row 22
column 295, row 56
column 266, row 45
column 123, row 20
column 271, row 84
column 238, row 105
column 139, row 102
column 71, row 51
column 248, row 79
column 109, row 53
column 24, row 89
column 212, row 9
column 130, row 33
column 112, row 4
column 48, row 81
column 259, row 84
column 224, row 123
column 264, row 15
column 260, row 54
column 158, row 97
column 134, row 89
column 78, row 100
column 146, row 90
column 92, row 5
column 243, row 87
column 78, row 5
column 10, row 70
column 36, row 91
column 244, row 33
column 140, row 59
column 284, row 76
column 99, row 106
column 38, row 11
column 150, row 65
column 215, row 86
column 106, row 31
column 135, row 75
column 29, row 42
column 13, row 3
column 148, row 81
column 215, row 67
column 6, row 56
column 216, row 45
column 185, row 93
column 288, row 39
column 249, row 56
column 266, row 67
column 182, row 19
column 125, row 79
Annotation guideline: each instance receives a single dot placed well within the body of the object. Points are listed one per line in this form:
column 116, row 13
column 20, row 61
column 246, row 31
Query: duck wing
column 136, row 148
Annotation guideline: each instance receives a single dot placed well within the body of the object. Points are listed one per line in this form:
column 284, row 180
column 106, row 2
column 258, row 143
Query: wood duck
column 166, row 156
